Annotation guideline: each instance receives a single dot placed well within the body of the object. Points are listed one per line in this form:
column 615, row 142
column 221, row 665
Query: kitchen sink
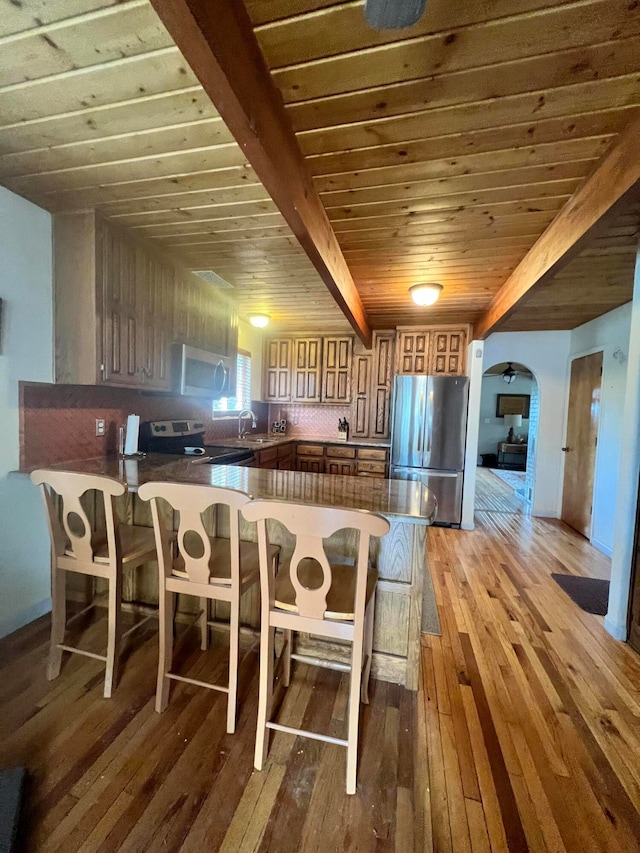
column 255, row 440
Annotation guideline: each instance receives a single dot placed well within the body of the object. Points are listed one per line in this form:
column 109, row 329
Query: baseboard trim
column 545, row 513
column 19, row 620
column 602, row 547
column 617, row 631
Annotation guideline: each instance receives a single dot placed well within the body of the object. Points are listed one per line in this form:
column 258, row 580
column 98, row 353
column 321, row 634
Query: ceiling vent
column 213, row 278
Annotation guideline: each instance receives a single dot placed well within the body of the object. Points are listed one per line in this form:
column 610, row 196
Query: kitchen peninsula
column 405, row 599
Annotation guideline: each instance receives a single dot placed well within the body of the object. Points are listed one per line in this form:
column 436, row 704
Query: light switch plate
column 101, row 426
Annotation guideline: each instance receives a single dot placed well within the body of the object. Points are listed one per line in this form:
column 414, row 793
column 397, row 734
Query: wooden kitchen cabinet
column 307, row 366
column 120, row 304
column 361, row 386
column 336, row 370
column 381, row 384
column 448, row 351
column 435, row 350
column 277, row 370
column 413, row 351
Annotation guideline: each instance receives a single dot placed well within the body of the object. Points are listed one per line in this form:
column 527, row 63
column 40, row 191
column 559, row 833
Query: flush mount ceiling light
column 259, row 320
column 393, row 14
column 426, row 293
column 509, row 374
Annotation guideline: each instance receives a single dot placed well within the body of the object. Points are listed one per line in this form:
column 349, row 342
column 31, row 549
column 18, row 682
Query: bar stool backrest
column 71, row 531
column 311, row 525
column 194, row 544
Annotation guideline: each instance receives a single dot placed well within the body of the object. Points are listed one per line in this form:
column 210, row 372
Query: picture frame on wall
column 513, row 404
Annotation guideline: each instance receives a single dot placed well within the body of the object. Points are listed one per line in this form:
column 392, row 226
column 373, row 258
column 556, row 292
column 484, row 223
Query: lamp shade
column 426, row 293
column 513, row 421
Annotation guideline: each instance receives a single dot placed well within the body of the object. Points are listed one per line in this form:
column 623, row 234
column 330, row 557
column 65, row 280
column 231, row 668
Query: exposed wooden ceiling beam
column 608, row 189
column 218, row 42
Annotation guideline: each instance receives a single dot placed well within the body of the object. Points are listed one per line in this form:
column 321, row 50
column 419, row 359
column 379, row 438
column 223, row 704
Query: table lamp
column 512, row 421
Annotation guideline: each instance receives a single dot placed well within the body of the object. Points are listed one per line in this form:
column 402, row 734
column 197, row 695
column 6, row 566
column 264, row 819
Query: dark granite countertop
column 405, row 499
column 263, row 441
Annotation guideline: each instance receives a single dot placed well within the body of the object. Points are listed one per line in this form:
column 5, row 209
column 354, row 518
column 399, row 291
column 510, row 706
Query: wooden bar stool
column 333, row 601
column 209, row 567
column 76, row 548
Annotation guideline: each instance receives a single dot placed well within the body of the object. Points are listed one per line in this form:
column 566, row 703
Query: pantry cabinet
column 120, row 304
column 361, row 387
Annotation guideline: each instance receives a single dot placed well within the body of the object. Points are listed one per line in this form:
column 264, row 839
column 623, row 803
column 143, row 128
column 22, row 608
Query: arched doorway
column 507, row 439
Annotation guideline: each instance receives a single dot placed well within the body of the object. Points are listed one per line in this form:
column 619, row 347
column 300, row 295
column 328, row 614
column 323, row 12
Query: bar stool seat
column 135, row 542
column 220, row 562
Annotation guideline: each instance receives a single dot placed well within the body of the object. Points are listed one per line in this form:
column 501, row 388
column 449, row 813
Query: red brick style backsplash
column 58, row 422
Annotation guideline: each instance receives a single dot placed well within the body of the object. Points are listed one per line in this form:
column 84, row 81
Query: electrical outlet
column 101, row 426
column 295, row 422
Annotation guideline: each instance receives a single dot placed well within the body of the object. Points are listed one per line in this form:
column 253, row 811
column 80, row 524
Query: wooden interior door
column 634, row 601
column 582, row 439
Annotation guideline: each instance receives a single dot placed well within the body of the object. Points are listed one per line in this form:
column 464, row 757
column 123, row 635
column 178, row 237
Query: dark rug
column 11, row 792
column 590, row 594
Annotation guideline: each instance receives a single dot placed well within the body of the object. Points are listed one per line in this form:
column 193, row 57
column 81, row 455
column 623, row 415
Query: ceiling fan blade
column 393, row 14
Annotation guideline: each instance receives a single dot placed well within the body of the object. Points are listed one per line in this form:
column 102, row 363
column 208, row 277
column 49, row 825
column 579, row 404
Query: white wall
column 250, row 339
column 26, row 352
column 475, row 368
column 609, row 333
column 627, row 498
column 546, row 355
column 492, row 428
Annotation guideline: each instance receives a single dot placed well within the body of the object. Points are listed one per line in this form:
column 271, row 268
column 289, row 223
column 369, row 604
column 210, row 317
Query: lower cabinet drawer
column 310, row 450
column 371, row 468
column 372, row 453
column 341, row 452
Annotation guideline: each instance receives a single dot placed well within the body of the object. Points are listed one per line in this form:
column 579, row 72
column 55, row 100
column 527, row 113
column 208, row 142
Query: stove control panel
column 171, row 429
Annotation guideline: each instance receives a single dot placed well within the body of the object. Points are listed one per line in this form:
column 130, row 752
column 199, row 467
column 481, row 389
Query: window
column 242, row 400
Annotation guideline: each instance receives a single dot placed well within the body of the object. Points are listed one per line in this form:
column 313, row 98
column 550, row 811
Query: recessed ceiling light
column 259, row 320
column 426, row 293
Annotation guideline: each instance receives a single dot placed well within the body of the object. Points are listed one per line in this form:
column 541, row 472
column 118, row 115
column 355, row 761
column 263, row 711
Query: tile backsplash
column 317, row 421
column 57, row 422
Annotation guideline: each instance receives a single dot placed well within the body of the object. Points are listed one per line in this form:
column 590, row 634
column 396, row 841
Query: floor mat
column 590, row 594
column 515, row 479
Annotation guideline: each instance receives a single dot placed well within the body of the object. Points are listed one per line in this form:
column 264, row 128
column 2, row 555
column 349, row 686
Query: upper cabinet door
column 413, row 352
column 307, row 363
column 122, row 332
column 336, row 370
column 360, row 390
column 381, row 379
column 277, row 370
column 448, row 351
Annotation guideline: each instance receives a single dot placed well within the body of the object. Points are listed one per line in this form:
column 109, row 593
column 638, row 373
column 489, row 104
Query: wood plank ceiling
column 440, row 153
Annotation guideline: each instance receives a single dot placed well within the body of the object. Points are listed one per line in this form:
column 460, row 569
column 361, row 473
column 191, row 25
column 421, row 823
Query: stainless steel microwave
column 206, row 374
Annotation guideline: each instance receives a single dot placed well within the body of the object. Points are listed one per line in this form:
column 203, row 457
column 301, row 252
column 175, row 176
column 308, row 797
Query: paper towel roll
column 131, row 441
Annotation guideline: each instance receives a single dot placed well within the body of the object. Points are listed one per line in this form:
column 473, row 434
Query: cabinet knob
column 566, row 449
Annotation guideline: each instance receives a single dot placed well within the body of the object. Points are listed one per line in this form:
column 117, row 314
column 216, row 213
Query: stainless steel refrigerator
column 428, row 433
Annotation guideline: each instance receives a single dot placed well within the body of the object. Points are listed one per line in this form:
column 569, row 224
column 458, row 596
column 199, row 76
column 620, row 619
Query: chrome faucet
column 254, row 422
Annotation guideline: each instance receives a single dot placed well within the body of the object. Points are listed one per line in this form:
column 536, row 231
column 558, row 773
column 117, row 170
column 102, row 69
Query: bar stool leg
column 58, row 621
column 165, row 656
column 267, row 643
column 204, row 628
column 234, row 654
column 368, row 647
column 354, row 712
column 114, row 633
column 286, row 671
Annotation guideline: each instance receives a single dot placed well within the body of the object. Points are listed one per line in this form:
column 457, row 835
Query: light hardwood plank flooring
column 525, row 734
column 494, row 495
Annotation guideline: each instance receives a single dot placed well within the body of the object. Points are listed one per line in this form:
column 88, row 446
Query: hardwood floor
column 494, row 495
column 525, row 733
